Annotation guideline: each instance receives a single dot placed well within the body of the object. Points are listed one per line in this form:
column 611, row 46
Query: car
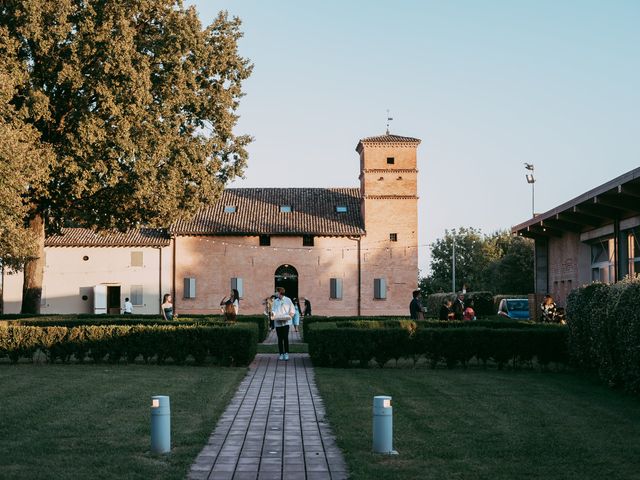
column 514, row 308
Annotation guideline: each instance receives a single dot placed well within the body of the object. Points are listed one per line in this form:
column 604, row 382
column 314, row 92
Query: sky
column 486, row 85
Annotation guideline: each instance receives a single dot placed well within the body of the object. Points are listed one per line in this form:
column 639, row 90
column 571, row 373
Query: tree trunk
column 34, row 270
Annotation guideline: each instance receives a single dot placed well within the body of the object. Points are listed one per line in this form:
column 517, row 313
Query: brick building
column 593, row 237
column 349, row 251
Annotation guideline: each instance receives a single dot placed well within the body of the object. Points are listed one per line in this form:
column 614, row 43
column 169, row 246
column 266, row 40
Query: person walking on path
column 282, row 312
column 415, row 307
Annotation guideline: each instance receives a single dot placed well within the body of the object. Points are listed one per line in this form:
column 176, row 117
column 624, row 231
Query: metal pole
column 453, row 266
column 533, row 199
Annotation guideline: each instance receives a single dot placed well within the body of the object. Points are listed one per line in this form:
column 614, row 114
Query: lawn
column 93, row 421
column 485, row 424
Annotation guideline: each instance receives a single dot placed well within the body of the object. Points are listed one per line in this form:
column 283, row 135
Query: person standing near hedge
column 167, row 307
column 445, row 312
column 415, row 307
column 230, row 306
column 458, row 307
column 282, row 312
column 128, row 307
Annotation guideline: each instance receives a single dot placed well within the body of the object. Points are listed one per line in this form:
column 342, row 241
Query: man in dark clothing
column 415, row 307
column 445, row 312
column 458, row 307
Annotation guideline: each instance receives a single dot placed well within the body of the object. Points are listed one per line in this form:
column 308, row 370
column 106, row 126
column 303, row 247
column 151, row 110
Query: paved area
column 294, row 337
column 274, row 428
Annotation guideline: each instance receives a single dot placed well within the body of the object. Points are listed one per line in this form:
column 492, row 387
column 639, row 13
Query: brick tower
column 389, row 192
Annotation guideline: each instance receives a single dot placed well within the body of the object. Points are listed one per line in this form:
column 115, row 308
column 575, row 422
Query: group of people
column 281, row 310
column 449, row 310
column 457, row 310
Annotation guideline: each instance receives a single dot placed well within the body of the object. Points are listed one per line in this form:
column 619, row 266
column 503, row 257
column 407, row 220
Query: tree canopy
column 135, row 101
column 500, row 263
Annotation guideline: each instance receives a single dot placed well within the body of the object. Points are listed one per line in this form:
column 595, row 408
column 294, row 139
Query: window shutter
column 189, row 287
column 238, row 284
column 379, row 288
column 335, row 288
column 136, row 259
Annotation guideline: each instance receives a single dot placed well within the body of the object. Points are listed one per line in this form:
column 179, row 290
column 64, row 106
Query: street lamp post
column 531, row 180
column 453, row 265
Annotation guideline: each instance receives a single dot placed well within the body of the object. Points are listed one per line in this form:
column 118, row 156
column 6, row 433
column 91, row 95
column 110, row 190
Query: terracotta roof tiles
column 257, row 212
column 81, row 237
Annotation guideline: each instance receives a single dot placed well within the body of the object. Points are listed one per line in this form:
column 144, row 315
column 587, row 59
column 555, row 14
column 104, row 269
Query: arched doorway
column 287, row 277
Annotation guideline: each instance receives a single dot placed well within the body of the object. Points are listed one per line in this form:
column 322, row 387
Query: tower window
column 265, row 240
column 307, row 240
column 391, row 160
column 393, row 237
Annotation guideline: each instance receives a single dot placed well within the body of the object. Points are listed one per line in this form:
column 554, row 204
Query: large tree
column 470, row 260
column 500, row 262
column 135, row 101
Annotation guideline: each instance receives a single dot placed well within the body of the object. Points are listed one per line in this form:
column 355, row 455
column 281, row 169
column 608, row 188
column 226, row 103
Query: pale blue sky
column 486, row 85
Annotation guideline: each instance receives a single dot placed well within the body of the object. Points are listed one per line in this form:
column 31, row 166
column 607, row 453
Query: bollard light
column 383, row 425
column 160, row 424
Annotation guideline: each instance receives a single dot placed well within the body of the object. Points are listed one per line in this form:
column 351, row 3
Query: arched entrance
column 287, row 277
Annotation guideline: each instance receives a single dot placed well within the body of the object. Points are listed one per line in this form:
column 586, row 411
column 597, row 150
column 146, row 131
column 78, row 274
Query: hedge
column 225, row 345
column 604, row 332
column 336, row 344
column 76, row 320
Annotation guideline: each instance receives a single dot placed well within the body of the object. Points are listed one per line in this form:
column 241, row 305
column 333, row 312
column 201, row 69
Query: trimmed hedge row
column 226, row 345
column 385, row 322
column 338, row 345
column 71, row 321
column 604, row 332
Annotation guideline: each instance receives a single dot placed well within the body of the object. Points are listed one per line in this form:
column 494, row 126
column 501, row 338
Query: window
column 393, row 237
column 379, row 289
column 307, row 240
column 285, row 208
column 341, row 208
column 136, row 261
column 136, row 295
column 391, row 160
column 335, row 288
column 602, row 264
column 238, row 285
column 189, row 287
column 634, row 251
column 230, row 209
column 265, row 240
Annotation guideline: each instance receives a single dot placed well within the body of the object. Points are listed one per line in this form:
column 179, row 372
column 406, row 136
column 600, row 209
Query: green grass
column 485, row 424
column 93, row 421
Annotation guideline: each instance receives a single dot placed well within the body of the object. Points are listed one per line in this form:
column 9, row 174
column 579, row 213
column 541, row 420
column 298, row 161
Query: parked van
column 514, row 308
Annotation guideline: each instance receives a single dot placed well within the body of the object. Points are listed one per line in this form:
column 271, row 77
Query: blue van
column 514, row 308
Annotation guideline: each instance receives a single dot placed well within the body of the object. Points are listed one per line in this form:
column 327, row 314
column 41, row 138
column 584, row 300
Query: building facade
column 350, row 251
column 593, row 237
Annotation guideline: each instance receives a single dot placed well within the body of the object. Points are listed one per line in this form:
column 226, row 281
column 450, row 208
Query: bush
column 482, row 302
column 604, row 332
column 341, row 344
column 226, row 345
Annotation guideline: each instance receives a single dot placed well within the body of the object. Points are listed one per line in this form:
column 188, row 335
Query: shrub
column 604, row 332
column 340, row 344
column 226, row 345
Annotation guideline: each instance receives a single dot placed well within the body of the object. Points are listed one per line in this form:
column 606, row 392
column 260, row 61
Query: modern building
column 593, row 237
column 349, row 251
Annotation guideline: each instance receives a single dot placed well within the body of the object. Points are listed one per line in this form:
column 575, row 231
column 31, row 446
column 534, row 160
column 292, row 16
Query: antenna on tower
column 388, row 120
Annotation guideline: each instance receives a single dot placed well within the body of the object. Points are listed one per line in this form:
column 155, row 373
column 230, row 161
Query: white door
column 100, row 299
